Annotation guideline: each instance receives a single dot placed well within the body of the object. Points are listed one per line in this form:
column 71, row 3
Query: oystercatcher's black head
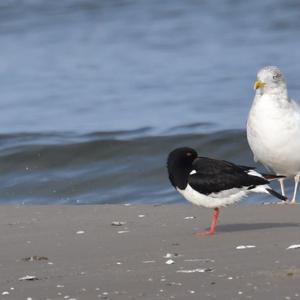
column 180, row 164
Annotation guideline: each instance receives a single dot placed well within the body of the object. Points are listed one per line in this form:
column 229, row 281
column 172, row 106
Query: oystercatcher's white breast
column 222, row 198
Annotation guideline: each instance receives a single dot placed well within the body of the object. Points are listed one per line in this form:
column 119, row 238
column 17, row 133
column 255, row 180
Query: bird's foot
column 293, row 201
column 204, row 233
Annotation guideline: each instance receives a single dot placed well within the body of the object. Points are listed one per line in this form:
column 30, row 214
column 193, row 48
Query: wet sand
column 148, row 252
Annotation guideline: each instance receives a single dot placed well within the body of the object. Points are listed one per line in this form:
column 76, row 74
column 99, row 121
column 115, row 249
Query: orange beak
column 258, row 85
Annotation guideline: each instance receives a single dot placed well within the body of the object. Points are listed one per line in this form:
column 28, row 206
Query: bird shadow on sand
column 253, row 226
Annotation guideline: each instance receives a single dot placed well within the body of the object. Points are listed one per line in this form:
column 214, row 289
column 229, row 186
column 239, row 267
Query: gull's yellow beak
column 258, row 85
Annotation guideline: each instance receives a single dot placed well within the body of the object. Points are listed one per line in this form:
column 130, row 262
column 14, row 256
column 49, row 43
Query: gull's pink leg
column 212, row 226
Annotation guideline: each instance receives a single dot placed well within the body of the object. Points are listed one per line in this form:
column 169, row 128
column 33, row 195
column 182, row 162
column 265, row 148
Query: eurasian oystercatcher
column 214, row 183
column 273, row 127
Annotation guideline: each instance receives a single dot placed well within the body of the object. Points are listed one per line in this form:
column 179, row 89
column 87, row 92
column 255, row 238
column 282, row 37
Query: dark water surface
column 115, row 167
column 95, row 93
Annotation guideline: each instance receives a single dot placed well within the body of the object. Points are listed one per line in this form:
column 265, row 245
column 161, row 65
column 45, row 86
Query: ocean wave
column 108, row 167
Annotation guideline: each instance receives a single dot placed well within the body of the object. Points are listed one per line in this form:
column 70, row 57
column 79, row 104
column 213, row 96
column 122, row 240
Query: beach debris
column 117, row 223
column 123, row 231
column 170, row 262
column 242, row 247
column 35, row 258
column 174, row 283
column 198, row 270
column 141, row 216
column 5, row 293
column 204, row 260
column 295, row 246
column 148, row 261
column 28, row 278
column 190, row 217
column 80, row 232
column 170, row 255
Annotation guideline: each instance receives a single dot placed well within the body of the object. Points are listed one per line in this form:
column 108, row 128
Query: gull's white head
column 270, row 80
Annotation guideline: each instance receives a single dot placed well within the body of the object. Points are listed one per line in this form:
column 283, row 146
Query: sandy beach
column 149, row 252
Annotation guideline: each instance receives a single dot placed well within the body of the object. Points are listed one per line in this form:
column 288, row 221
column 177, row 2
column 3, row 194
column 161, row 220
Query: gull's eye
column 277, row 76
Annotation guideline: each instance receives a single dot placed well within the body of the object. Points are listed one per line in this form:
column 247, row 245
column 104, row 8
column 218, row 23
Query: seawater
column 94, row 94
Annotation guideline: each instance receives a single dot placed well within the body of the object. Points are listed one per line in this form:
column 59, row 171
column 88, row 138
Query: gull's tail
column 267, row 189
column 275, row 194
column 271, row 177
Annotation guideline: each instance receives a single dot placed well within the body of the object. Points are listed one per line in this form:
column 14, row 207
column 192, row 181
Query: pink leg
column 212, row 226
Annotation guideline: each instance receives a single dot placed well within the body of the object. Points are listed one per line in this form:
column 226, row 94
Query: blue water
column 77, row 75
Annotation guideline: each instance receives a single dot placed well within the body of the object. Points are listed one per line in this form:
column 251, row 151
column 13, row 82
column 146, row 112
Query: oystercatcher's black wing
column 213, row 176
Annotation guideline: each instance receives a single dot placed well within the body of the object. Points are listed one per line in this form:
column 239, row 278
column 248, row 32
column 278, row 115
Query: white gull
column 273, row 127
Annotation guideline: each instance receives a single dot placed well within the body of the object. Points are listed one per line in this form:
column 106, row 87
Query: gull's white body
column 273, row 127
column 273, row 132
